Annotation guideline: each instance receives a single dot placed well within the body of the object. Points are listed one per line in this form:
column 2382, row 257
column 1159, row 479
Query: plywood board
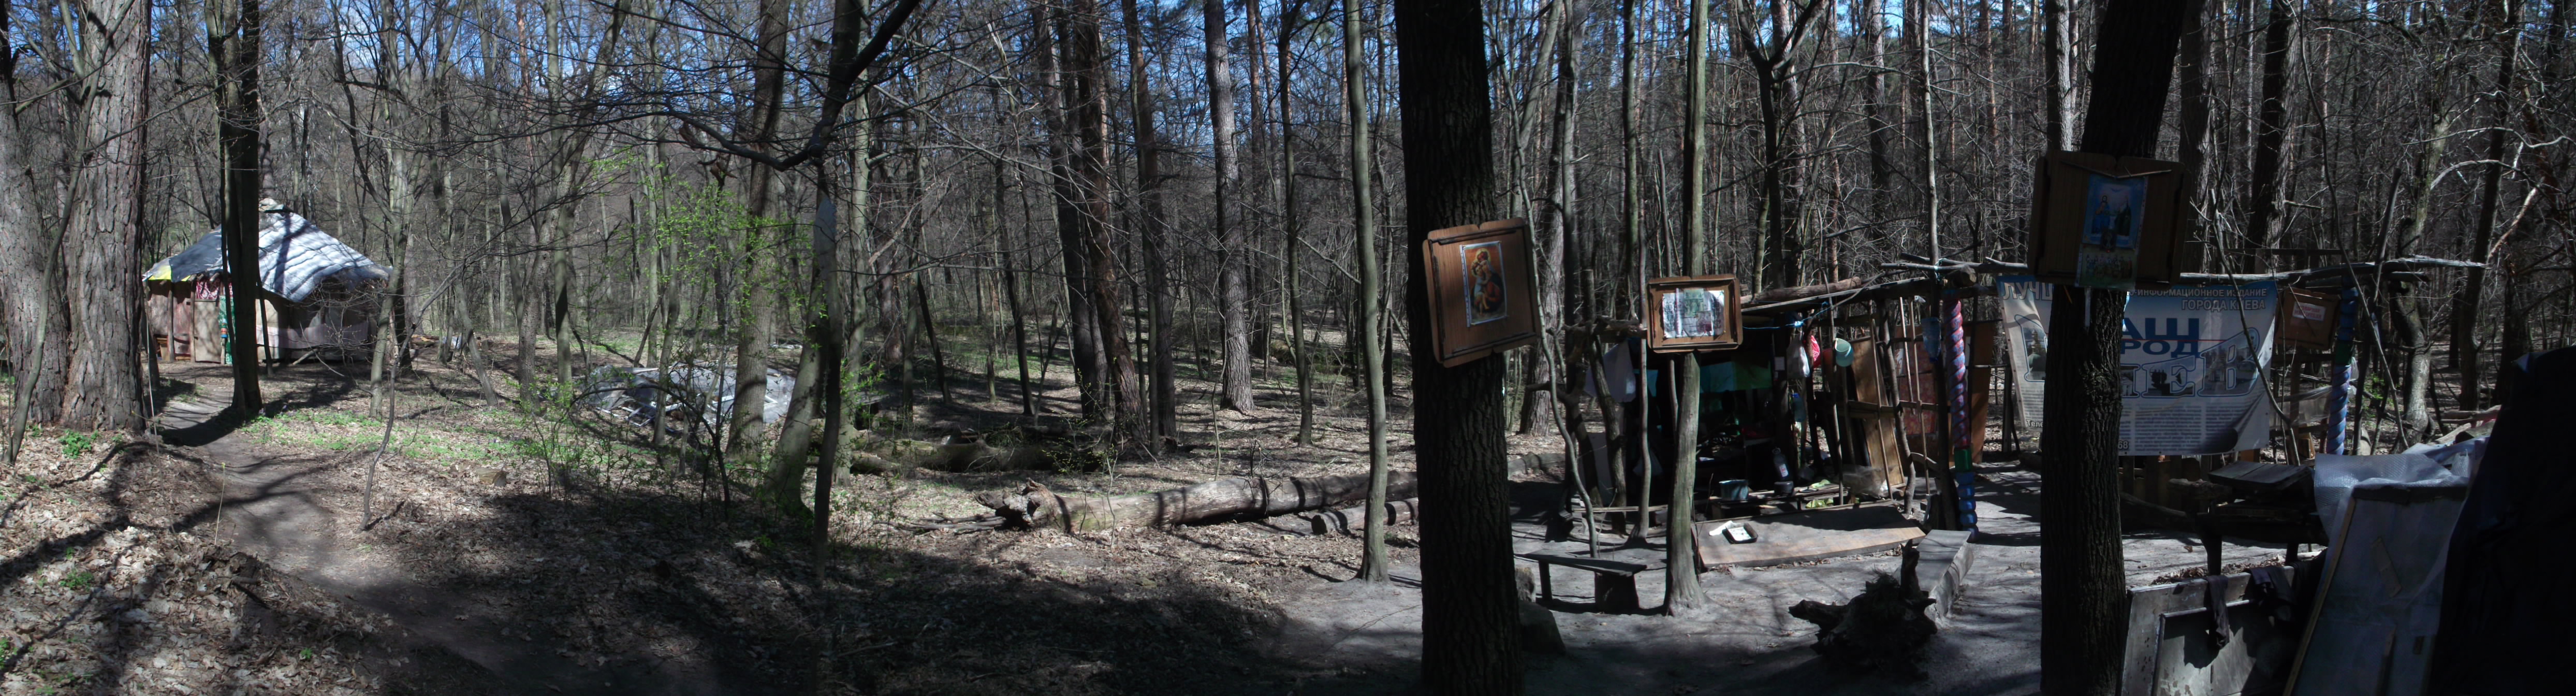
column 2169, row 650
column 1807, row 536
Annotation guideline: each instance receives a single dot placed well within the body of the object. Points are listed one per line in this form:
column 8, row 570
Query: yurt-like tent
column 315, row 295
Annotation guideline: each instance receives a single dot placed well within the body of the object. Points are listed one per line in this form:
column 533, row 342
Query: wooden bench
column 1614, row 583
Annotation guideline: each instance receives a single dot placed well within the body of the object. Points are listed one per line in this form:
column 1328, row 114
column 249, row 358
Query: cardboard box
column 1483, row 296
column 2089, row 212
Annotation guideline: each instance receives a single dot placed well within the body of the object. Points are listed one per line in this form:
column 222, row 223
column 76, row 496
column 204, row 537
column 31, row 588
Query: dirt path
column 276, row 512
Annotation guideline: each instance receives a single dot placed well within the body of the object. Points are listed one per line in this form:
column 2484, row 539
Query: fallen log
column 1221, row 500
column 1352, row 519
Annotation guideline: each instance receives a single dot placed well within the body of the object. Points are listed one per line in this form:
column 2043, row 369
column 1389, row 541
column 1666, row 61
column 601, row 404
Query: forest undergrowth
column 569, row 536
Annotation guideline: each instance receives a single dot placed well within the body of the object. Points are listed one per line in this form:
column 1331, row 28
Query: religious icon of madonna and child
column 1487, row 294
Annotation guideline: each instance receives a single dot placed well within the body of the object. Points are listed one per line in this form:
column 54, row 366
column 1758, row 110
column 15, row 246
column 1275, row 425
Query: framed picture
column 2100, row 221
column 1694, row 313
column 2307, row 319
column 1482, row 294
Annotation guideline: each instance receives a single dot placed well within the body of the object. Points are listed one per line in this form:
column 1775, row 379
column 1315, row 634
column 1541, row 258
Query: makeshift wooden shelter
column 315, row 295
column 1877, row 390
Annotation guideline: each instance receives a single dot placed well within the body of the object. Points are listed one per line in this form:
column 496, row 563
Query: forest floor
column 506, row 553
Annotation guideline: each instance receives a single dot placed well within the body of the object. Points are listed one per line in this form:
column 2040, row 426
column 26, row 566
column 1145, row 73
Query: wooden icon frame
column 1460, row 331
column 1732, row 313
column 2167, row 245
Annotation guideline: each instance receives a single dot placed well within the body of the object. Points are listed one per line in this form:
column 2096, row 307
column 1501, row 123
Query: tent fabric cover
column 2505, row 600
column 295, row 256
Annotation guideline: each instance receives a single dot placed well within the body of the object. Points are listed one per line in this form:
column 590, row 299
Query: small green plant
column 307, row 655
column 79, row 580
column 76, row 443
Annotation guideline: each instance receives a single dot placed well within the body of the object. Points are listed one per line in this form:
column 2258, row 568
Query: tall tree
column 1233, row 238
column 2508, row 28
column 1470, row 611
column 31, row 303
column 1086, row 100
column 2271, row 130
column 1285, row 189
column 1165, row 406
column 237, row 57
column 104, row 389
column 1681, row 569
column 2082, row 585
column 1372, row 283
column 751, row 350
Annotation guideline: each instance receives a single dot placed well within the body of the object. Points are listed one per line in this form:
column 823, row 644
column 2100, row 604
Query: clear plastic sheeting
column 2338, row 474
column 637, row 395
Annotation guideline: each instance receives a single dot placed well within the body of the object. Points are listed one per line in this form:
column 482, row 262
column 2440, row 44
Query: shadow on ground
column 624, row 591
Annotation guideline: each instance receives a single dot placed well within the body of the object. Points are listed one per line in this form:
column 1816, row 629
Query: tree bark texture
column 1086, row 100
column 1372, row 319
column 1233, row 239
column 31, row 303
column 751, row 350
column 2465, row 307
column 1681, row 569
column 1470, row 606
column 104, row 232
column 2271, row 130
column 1165, row 406
column 1286, row 190
column 2083, row 621
column 241, row 131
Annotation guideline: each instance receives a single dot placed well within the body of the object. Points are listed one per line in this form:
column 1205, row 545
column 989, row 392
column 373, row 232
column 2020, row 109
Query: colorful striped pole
column 1962, row 458
column 2339, row 400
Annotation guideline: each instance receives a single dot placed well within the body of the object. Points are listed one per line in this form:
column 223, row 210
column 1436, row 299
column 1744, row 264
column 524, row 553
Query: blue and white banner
column 2191, row 364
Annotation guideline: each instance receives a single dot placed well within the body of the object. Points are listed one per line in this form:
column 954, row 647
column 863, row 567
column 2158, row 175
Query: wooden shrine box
column 1717, row 324
column 1483, row 296
column 2307, row 319
column 2069, row 190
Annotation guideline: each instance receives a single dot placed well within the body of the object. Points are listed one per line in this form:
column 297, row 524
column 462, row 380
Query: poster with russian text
column 2191, row 364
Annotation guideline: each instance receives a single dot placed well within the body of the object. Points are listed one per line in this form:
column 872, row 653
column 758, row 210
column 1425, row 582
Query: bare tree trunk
column 31, row 303
column 1681, row 558
column 105, row 228
column 2464, row 307
column 2412, row 333
column 2083, row 619
column 2518, row 335
column 1149, row 191
column 2192, row 61
column 237, row 51
column 751, row 353
column 930, row 336
column 1011, row 293
column 2059, row 109
column 2271, row 130
column 1470, row 609
column 1366, row 332
column 1233, row 245
column 1084, row 193
column 819, row 367
column 1551, row 207
column 1287, row 192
